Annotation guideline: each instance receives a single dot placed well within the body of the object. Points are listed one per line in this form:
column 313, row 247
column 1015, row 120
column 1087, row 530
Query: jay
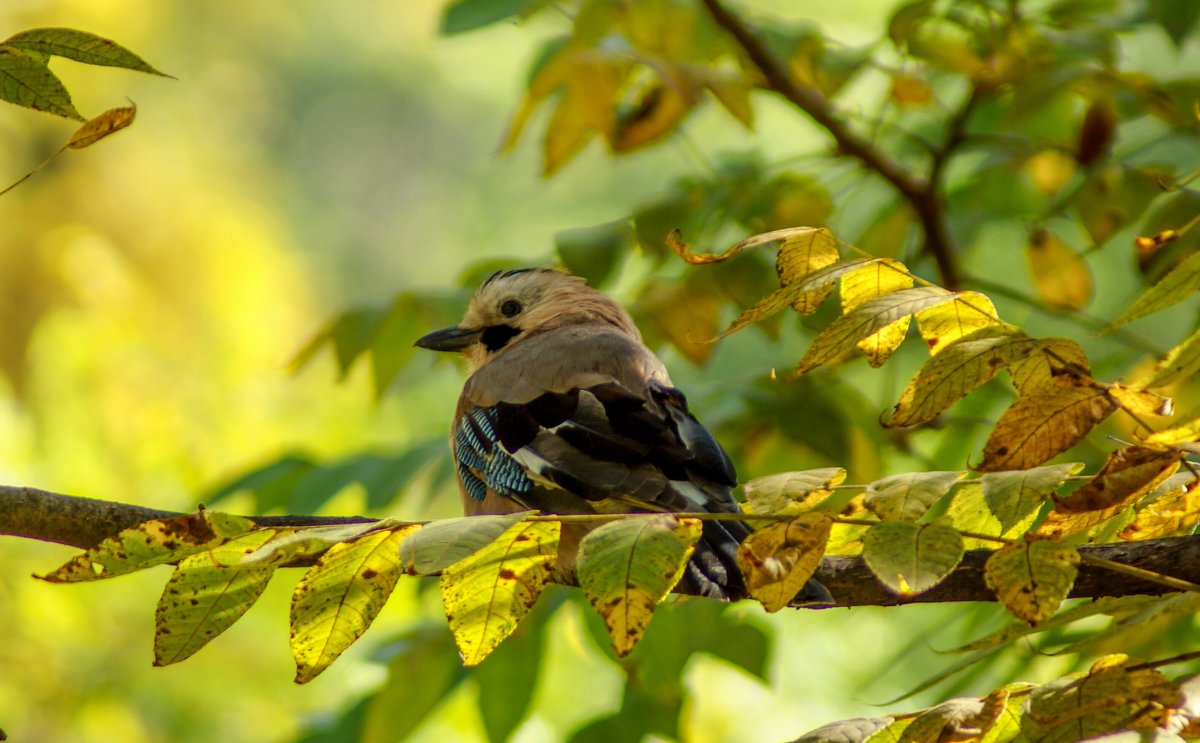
column 566, row 411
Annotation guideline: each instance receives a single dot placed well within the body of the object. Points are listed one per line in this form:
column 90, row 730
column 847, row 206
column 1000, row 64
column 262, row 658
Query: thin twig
column 915, row 189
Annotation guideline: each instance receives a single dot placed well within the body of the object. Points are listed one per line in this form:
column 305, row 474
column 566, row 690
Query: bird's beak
column 449, row 339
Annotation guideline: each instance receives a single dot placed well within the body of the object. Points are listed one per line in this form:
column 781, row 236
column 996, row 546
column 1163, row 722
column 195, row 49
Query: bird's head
column 513, row 305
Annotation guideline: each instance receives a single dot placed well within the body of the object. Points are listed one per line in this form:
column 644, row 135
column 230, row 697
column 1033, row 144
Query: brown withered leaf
column 97, row 128
column 1128, row 474
column 1046, row 422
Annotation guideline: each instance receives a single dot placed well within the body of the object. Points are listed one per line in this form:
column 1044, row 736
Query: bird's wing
column 585, row 420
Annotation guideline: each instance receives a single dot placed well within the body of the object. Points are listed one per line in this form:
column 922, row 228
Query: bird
column 567, row 411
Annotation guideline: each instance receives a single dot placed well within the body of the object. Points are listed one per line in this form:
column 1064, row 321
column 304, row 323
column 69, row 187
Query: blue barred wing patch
column 481, row 460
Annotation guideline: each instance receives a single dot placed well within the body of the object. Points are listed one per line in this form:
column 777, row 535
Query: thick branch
column 84, row 523
column 920, row 192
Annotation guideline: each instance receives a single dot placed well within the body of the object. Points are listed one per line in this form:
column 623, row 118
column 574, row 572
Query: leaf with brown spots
column 627, row 567
column 1128, row 474
column 791, row 491
column 969, row 313
column 338, row 598
column 488, row 592
column 206, row 594
column 97, row 128
column 778, row 560
column 1142, row 402
column 1174, row 513
column 151, row 543
column 1032, row 578
column 1044, row 423
column 1052, row 358
column 960, row 367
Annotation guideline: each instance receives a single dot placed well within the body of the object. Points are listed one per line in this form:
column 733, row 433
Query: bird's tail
column 713, row 570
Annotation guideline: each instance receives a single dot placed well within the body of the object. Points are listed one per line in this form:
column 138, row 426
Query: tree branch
column 919, row 192
column 84, row 523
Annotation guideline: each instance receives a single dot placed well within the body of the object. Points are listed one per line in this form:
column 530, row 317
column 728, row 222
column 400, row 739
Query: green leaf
column 421, row 675
column 80, row 46
column 911, row 558
column 27, row 82
column 846, row 331
column 271, row 484
column 1012, row 496
column 469, row 15
column 906, row 497
column 489, row 592
column 594, row 252
column 1032, row 578
column 1177, row 17
column 151, row 543
column 779, row 492
column 338, row 598
column 1179, row 284
column 206, row 594
column 437, row 546
column 627, row 567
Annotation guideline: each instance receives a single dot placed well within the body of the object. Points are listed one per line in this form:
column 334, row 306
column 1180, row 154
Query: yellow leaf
column 867, row 283
column 777, row 561
column 1032, row 578
column 1179, row 284
column 1117, row 693
column 1142, row 402
column 439, row 545
column 846, row 539
column 206, row 594
column 910, row 558
column 1184, row 433
column 1181, row 362
column 906, row 497
column 1050, row 170
column 785, row 490
column 1015, row 496
column 1051, row 358
column 963, row 365
column 734, row 94
column 95, row 129
column 1061, row 275
column 817, row 284
column 1044, row 423
column 799, row 256
column 864, row 321
column 1175, row 513
column 487, row 593
column 627, row 567
column 338, row 598
column 1128, row 474
column 943, row 324
column 151, row 543
column 909, row 90
column 566, row 133
column 961, row 719
column 968, row 512
column 660, row 109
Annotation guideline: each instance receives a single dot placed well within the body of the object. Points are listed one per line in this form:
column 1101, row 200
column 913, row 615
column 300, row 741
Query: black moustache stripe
column 498, row 336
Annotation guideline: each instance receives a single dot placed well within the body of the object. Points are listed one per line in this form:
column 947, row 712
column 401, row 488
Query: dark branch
column 919, row 192
column 84, row 523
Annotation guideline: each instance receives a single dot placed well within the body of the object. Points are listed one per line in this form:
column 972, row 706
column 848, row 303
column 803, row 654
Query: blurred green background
column 314, row 156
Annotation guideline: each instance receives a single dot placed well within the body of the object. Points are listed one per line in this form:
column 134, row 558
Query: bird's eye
column 510, row 308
